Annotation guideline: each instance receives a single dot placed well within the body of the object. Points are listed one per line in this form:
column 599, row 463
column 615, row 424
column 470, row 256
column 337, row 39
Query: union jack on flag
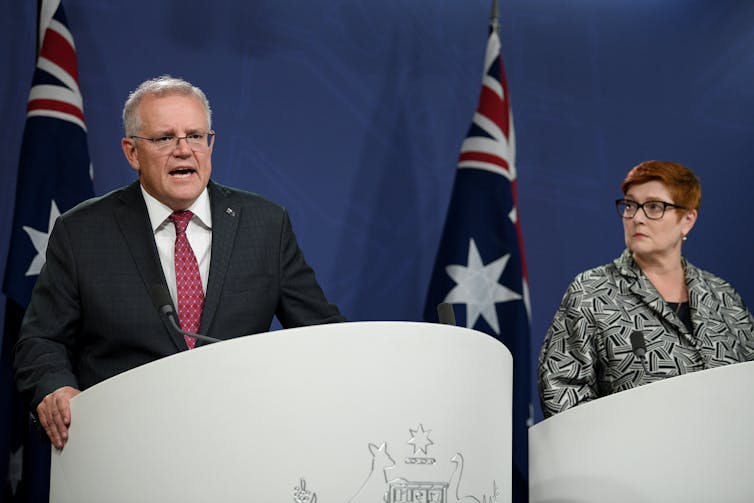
column 480, row 267
column 54, row 174
column 55, row 90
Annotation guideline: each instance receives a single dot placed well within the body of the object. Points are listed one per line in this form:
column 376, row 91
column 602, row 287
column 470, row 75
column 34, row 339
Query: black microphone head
column 638, row 345
column 161, row 298
column 160, row 295
column 445, row 313
column 164, row 304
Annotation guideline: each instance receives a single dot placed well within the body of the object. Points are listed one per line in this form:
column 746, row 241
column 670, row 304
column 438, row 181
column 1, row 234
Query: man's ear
column 129, row 150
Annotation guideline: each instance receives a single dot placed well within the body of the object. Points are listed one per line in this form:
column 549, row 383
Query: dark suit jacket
column 91, row 315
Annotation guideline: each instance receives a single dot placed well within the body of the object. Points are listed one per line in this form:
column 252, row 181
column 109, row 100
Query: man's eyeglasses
column 654, row 210
column 195, row 141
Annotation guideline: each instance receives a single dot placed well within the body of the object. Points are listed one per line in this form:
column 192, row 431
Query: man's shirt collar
column 159, row 212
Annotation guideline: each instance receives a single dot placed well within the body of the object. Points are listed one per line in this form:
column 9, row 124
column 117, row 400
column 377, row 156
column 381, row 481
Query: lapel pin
column 230, row 212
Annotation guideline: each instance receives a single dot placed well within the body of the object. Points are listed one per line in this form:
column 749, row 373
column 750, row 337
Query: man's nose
column 181, row 146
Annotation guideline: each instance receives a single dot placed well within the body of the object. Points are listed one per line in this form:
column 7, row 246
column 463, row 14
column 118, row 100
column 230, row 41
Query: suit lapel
column 225, row 218
column 647, row 294
column 133, row 219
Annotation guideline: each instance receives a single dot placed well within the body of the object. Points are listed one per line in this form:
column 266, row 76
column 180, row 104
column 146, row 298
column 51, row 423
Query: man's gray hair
column 164, row 85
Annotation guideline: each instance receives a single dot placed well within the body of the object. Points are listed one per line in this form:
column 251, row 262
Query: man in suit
column 228, row 258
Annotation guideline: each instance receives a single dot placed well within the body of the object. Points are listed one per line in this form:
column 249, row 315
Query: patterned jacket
column 587, row 352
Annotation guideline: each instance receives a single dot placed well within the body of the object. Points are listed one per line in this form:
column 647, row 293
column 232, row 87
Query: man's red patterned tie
column 187, row 279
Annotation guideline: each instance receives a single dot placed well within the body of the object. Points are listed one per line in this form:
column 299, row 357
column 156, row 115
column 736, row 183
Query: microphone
column 164, row 304
column 445, row 313
column 639, row 347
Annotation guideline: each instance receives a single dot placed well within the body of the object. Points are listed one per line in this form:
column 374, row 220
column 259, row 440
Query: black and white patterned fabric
column 587, row 352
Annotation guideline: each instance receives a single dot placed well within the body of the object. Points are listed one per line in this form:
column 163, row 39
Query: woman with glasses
column 649, row 314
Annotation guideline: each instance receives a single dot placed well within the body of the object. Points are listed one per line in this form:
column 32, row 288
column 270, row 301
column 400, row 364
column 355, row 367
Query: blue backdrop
column 351, row 113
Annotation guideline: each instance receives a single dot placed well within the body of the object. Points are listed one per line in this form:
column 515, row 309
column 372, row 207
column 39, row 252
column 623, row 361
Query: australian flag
column 480, row 267
column 54, row 174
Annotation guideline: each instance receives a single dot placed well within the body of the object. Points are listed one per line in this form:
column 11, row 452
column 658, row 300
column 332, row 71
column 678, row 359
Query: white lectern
column 381, row 412
column 686, row 439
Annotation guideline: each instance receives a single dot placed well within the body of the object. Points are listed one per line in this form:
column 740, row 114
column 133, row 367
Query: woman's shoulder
column 611, row 272
column 697, row 278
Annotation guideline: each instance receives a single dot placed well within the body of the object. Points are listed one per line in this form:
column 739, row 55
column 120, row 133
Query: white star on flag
column 477, row 286
column 39, row 240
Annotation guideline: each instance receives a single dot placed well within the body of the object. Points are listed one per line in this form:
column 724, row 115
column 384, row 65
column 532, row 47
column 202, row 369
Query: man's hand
column 54, row 414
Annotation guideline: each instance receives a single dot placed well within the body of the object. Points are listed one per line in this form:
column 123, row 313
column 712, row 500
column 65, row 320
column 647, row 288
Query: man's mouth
column 182, row 172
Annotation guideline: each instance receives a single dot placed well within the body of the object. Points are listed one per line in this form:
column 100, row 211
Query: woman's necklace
column 678, row 306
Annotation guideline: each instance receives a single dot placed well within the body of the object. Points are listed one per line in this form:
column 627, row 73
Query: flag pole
column 495, row 17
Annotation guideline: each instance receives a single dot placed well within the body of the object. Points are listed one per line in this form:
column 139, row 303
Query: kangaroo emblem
column 374, row 487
